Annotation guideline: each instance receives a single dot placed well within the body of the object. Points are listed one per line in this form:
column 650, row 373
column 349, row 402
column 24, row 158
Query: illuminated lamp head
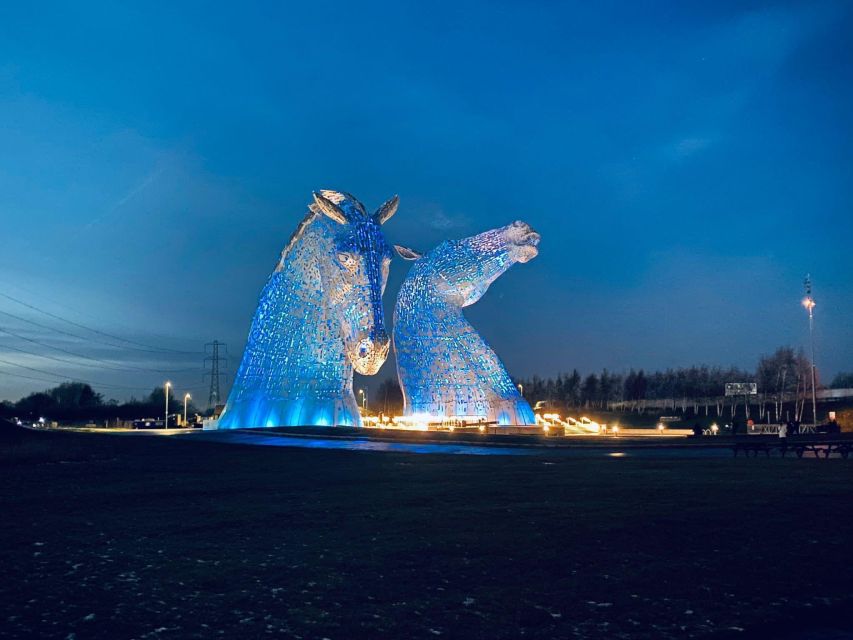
column 355, row 278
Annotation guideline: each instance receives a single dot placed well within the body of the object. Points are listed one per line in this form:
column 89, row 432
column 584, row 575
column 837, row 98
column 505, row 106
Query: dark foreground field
column 152, row 537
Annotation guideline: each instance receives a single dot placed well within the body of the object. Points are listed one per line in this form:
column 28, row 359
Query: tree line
column 784, row 376
column 780, row 377
column 600, row 391
column 76, row 401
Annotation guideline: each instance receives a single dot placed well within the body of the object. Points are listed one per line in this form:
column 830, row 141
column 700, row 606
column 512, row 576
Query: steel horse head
column 319, row 318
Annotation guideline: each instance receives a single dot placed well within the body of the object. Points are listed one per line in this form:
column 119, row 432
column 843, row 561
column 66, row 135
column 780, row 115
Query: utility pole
column 809, row 304
column 215, row 372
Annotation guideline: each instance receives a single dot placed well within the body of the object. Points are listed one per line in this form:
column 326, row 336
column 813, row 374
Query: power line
column 77, row 335
column 18, row 375
column 80, row 364
column 97, row 331
column 78, row 312
column 49, row 328
column 63, row 378
column 66, row 378
column 108, row 364
column 55, row 359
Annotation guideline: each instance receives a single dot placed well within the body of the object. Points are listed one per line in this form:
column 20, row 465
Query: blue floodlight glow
column 446, row 369
column 319, row 317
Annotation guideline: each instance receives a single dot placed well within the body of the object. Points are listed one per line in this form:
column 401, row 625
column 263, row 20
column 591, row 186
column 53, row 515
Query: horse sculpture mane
column 445, row 367
column 319, row 317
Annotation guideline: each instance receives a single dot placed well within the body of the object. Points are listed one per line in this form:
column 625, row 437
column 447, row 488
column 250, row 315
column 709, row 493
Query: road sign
column 741, row 389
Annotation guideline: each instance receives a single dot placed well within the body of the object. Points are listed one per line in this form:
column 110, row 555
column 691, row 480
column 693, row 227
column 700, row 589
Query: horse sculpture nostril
column 371, row 346
column 374, row 347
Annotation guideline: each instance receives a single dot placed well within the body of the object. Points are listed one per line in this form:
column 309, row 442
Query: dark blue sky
column 685, row 163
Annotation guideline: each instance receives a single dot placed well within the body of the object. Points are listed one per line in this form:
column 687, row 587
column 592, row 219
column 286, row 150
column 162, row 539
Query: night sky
column 685, row 163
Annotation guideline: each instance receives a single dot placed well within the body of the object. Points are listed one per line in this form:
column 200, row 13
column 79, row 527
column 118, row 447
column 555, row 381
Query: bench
column 799, row 448
column 752, row 447
column 841, row 448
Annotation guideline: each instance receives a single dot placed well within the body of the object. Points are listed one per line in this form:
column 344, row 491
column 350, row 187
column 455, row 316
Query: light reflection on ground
column 638, row 448
column 358, row 444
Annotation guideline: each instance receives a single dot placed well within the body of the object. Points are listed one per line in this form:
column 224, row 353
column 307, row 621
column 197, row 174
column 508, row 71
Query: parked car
column 148, row 423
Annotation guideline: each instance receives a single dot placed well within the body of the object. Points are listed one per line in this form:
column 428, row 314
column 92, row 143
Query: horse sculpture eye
column 347, row 260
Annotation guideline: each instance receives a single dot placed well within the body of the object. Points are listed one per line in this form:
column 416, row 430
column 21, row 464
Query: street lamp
column 809, row 304
column 166, row 393
column 186, row 397
column 363, row 400
column 521, row 389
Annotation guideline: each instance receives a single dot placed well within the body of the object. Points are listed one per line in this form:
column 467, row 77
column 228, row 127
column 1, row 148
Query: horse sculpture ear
column 329, row 208
column 387, row 210
column 407, row 254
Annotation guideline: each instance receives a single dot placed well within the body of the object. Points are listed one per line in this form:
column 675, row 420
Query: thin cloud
column 689, row 146
column 130, row 195
column 442, row 221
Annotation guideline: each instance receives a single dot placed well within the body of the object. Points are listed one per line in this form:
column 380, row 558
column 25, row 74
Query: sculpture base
column 297, row 412
column 515, row 412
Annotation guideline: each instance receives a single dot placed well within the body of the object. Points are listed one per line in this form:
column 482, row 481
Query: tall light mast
column 809, row 304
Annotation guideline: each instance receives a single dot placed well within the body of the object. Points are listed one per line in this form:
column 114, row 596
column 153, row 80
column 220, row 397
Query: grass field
column 107, row 536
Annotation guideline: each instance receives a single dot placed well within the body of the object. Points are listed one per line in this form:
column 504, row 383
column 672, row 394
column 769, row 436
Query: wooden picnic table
column 797, row 446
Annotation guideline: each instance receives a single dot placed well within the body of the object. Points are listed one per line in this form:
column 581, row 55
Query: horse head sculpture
column 444, row 366
column 356, row 276
column 319, row 317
